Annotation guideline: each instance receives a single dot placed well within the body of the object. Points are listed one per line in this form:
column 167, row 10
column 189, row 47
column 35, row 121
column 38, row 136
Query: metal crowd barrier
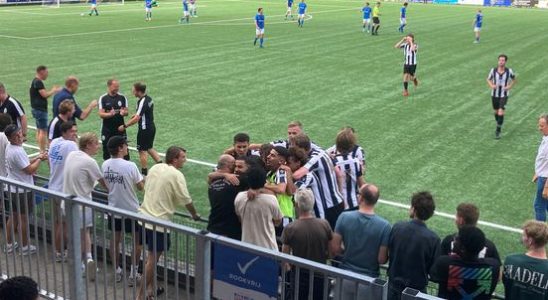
column 412, row 294
column 183, row 270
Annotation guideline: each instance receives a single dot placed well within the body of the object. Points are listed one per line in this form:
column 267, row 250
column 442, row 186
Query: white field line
column 157, row 27
column 77, row 13
column 387, row 202
column 307, row 18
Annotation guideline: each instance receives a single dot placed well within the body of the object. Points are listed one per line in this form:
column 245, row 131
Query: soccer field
column 209, row 82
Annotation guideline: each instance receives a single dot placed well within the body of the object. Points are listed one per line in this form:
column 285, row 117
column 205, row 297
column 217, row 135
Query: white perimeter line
column 387, row 202
column 156, row 27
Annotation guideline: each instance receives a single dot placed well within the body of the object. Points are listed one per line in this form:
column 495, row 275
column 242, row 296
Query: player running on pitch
column 259, row 27
column 289, row 12
column 366, row 17
column 403, row 17
column 302, row 11
column 186, row 13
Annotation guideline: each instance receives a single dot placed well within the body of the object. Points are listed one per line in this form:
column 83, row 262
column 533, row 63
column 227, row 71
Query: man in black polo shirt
column 13, row 107
column 222, row 217
column 39, row 104
column 147, row 130
column 412, row 248
column 112, row 109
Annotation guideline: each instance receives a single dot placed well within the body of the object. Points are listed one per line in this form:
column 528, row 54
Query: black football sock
column 405, row 85
column 144, row 171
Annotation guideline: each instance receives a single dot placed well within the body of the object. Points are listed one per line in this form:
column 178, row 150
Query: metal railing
column 185, row 269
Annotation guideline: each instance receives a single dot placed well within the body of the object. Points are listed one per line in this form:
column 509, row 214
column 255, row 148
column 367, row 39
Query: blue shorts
column 41, row 118
column 161, row 245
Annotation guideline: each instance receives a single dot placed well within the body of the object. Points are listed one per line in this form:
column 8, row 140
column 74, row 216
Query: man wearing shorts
column 500, row 79
column 376, row 20
column 147, row 130
column 19, row 168
column 57, row 155
column 121, row 177
column 478, row 22
column 366, row 17
column 259, row 27
column 186, row 14
column 39, row 104
column 148, row 10
column 165, row 189
column 409, row 47
column 81, row 174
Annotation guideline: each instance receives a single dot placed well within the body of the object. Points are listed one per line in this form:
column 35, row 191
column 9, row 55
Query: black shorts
column 145, row 138
column 21, row 203
column 161, row 245
column 127, row 227
column 499, row 102
column 376, row 20
column 409, row 69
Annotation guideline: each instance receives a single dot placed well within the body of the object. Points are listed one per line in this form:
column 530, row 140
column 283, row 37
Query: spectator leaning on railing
column 412, row 248
column 21, row 169
column 165, row 189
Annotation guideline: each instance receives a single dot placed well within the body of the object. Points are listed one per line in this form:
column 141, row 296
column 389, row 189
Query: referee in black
column 409, row 47
column 144, row 117
column 113, row 107
column 501, row 79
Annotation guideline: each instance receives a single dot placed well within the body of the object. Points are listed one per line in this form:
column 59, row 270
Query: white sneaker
column 28, row 250
column 118, row 274
column 59, row 257
column 91, row 269
column 9, row 248
column 134, row 280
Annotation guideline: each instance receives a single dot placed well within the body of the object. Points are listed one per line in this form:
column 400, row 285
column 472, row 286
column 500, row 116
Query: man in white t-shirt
column 121, row 176
column 5, row 120
column 81, row 176
column 57, row 155
column 19, row 168
column 258, row 213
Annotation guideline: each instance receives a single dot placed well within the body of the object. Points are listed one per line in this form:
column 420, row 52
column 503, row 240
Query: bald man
column 222, row 217
column 365, row 238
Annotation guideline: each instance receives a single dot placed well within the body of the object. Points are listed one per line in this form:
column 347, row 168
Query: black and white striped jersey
column 501, row 80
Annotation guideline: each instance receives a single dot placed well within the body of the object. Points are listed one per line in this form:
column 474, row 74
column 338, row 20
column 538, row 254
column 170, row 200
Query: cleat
column 415, row 81
column 405, row 93
column 497, row 135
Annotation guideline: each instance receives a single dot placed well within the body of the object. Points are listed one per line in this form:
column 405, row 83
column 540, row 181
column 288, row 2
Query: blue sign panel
column 242, row 275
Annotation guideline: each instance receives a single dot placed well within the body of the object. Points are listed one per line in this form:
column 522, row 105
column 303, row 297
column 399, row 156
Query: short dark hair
column 19, row 288
column 110, row 81
column 241, row 137
column 256, row 178
column 282, row 152
column 423, row 205
column 251, row 161
column 5, row 120
column 41, row 68
column 471, row 241
column 173, row 152
column 405, row 4
column 469, row 213
column 66, row 126
column 369, row 195
column 140, row 87
column 259, row 9
column 503, row 55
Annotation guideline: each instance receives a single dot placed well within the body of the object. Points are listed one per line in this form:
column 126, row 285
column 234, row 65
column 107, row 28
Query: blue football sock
column 261, row 41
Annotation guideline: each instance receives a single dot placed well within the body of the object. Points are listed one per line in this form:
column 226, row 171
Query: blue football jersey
column 403, row 11
column 366, row 12
column 289, row 3
column 148, row 3
column 302, row 8
column 479, row 19
column 259, row 19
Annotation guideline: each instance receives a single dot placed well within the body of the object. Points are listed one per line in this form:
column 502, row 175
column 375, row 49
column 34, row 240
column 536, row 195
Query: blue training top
column 366, row 12
column 259, row 19
column 302, row 8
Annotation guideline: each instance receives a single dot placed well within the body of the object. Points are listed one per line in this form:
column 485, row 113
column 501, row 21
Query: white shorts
column 87, row 217
column 301, row 15
column 148, row 9
column 289, row 9
column 93, row 6
column 403, row 21
column 259, row 31
column 477, row 29
column 367, row 21
column 186, row 13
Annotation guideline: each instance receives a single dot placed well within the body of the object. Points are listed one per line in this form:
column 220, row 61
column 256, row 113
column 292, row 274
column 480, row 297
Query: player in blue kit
column 302, row 11
column 478, row 22
column 403, row 16
column 93, row 4
column 366, row 17
column 259, row 27
column 186, row 14
column 148, row 10
column 289, row 12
